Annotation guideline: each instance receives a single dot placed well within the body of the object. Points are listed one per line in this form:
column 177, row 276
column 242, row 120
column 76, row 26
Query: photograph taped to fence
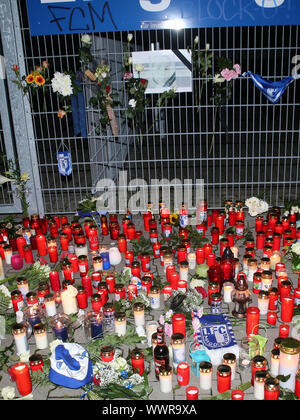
column 164, row 70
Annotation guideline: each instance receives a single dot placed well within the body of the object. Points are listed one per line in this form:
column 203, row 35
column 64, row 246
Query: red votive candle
column 220, row 223
column 178, row 323
column 215, row 235
column 138, row 361
column 287, row 308
column 53, row 256
column 284, row 330
column 237, row 395
column 192, row 393
column 211, row 260
column 87, row 283
column 271, row 318
column 183, row 374
column 169, row 270
column 54, row 281
column 129, row 258
column 260, row 239
column 207, row 249
column 200, row 256
column 132, row 291
column 22, row 378
column 252, row 321
column 41, row 245
column 28, row 255
column 231, row 217
column 182, row 286
column 174, row 279
column 82, row 297
column 223, row 378
column 21, row 242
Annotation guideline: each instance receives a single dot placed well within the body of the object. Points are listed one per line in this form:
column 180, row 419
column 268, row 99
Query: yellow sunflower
column 173, row 218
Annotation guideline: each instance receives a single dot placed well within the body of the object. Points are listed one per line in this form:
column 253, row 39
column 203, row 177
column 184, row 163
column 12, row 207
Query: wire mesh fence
column 251, row 148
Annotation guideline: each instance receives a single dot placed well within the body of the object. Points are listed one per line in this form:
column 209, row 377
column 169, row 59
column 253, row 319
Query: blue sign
column 52, row 17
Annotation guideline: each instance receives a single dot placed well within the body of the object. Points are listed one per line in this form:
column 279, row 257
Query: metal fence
column 256, row 145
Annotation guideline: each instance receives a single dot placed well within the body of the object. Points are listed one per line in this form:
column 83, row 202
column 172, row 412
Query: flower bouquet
column 256, row 206
column 295, row 257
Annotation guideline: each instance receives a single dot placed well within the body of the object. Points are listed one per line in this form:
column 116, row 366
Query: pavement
column 178, row 393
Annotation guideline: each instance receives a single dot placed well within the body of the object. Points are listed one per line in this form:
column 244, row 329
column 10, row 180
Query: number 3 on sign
column 155, row 7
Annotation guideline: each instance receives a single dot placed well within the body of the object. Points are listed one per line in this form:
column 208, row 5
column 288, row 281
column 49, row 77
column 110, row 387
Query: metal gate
column 256, row 145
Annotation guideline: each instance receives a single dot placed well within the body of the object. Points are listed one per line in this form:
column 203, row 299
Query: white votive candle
column 19, row 333
column 139, row 314
column 40, row 336
column 50, row 305
column 227, row 290
column 274, row 365
column 205, row 375
column 120, row 323
column 69, row 301
column 165, row 379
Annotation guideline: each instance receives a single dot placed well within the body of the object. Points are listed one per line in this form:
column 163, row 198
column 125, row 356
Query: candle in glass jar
column 165, row 379
column 41, row 245
column 7, row 254
column 223, row 378
column 139, row 314
column 252, row 323
column 138, row 361
column 205, row 375
column 259, row 363
column 21, row 375
column 192, row 393
column 69, row 301
column 182, row 286
column 151, row 328
column 259, row 384
column 263, row 302
column 288, row 361
column 287, row 308
column 229, row 359
column 274, row 365
column 120, row 323
column 40, row 336
column 274, row 259
column 60, row 324
column 271, row 389
column 50, row 305
column 183, row 270
column 20, row 338
column 178, row 323
column 228, row 288
column 178, row 348
column 192, row 260
column 183, row 374
column 237, row 395
column 154, row 295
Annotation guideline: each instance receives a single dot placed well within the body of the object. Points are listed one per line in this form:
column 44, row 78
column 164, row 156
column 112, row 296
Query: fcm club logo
column 269, row 3
column 155, row 7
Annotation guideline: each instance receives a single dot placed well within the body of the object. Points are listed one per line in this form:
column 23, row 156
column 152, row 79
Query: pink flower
column 127, row 76
column 237, row 68
column 168, row 329
column 229, row 74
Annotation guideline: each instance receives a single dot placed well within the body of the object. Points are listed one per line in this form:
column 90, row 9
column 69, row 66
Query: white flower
column 207, row 47
column 120, row 364
column 132, row 103
column 62, row 84
column 129, row 37
column 54, row 344
column 24, row 357
column 4, row 179
column 129, row 60
column 196, row 283
column 8, row 393
column 286, row 213
column 139, row 68
column 196, row 40
column 256, row 206
column 86, row 39
column 218, row 79
column 296, row 248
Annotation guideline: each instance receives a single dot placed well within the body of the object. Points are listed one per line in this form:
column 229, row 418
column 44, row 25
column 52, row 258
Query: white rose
column 139, row 68
column 196, row 40
column 129, row 37
column 86, row 39
column 296, row 248
column 120, row 364
column 130, row 60
column 132, row 103
column 207, row 47
column 8, row 393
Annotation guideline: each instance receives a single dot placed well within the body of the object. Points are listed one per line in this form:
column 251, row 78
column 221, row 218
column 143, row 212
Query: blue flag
column 272, row 90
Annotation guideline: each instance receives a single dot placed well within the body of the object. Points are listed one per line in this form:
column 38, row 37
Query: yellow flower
column 39, row 80
column 61, row 114
column 173, row 218
column 30, row 79
column 25, row 176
